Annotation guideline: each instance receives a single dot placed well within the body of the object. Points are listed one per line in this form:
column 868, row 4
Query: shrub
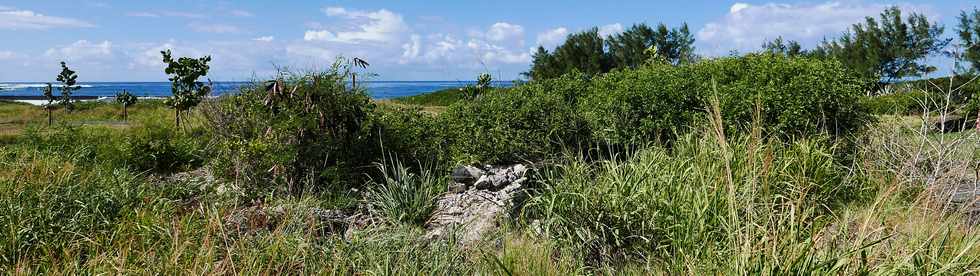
column 527, row 122
column 410, row 135
column 797, row 97
column 157, row 147
column 297, row 132
column 902, row 103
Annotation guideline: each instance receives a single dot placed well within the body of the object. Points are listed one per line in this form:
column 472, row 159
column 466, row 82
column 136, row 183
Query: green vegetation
column 187, row 91
column 589, row 53
column 969, row 34
column 67, row 78
column 766, row 163
column 125, row 99
column 889, row 49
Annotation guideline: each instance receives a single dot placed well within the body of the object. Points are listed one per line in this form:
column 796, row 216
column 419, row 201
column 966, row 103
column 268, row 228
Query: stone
column 469, row 215
column 467, row 174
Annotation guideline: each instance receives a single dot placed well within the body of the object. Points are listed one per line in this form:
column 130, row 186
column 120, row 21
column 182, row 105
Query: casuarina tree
column 68, row 79
column 126, row 99
column 969, row 33
column 187, row 90
column 890, row 49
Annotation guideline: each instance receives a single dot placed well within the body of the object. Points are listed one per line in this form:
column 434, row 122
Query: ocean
column 377, row 89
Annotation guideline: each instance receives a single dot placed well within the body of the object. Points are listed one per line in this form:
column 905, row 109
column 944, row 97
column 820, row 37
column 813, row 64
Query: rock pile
column 478, row 199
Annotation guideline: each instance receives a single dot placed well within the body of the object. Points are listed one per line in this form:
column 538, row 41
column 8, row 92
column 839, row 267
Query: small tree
column 68, row 78
column 187, row 91
column 126, row 99
column 49, row 95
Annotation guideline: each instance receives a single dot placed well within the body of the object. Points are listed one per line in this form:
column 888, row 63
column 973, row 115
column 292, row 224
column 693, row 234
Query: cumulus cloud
column 501, row 43
column 213, row 28
column 13, row 19
column 81, row 50
column 551, row 38
column 610, row 29
column 747, row 26
column 503, row 31
column 381, row 26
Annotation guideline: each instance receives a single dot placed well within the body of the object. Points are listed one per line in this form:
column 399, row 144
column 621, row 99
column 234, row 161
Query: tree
column 628, row 49
column 889, row 50
column 68, row 78
column 49, row 95
column 587, row 52
column 126, row 99
column 789, row 48
column 969, row 32
column 187, row 91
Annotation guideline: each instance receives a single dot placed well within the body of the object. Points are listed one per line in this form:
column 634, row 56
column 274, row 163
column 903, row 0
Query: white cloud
column 13, row 19
column 81, row 50
column 241, row 13
column 167, row 14
column 264, row 38
column 502, row 31
column 551, row 38
column 380, row 26
column 496, row 54
column 610, row 29
column 148, row 55
column 411, row 49
column 214, row 28
column 747, row 26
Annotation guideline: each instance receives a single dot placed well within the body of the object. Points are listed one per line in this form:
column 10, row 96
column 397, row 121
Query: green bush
column 296, row 133
column 405, row 196
column 158, row 147
column 796, row 97
column 410, row 135
column 530, row 121
column 901, row 103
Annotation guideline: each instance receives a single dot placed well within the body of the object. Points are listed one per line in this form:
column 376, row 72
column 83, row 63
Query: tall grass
column 402, row 195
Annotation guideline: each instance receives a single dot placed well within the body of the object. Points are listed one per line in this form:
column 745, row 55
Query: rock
column 467, row 174
column 471, row 214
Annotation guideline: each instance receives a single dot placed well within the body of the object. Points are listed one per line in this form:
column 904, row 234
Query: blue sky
column 403, row 40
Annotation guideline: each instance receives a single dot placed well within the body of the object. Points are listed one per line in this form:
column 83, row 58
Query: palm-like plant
column 357, row 62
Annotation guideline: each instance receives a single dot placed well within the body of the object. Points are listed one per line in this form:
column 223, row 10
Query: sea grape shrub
column 530, row 121
column 297, row 133
column 652, row 103
column 187, row 91
column 796, row 97
column 411, row 135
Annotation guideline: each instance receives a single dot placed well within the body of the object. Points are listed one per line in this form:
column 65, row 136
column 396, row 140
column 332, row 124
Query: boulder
column 467, row 175
column 468, row 215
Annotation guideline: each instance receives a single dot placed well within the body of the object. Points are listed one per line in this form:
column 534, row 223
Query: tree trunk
column 125, row 113
column 177, row 117
column 49, row 115
column 353, row 81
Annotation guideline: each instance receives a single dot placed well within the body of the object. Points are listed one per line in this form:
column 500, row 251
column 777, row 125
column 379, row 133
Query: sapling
column 126, row 99
column 68, row 78
column 49, row 95
column 187, row 91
